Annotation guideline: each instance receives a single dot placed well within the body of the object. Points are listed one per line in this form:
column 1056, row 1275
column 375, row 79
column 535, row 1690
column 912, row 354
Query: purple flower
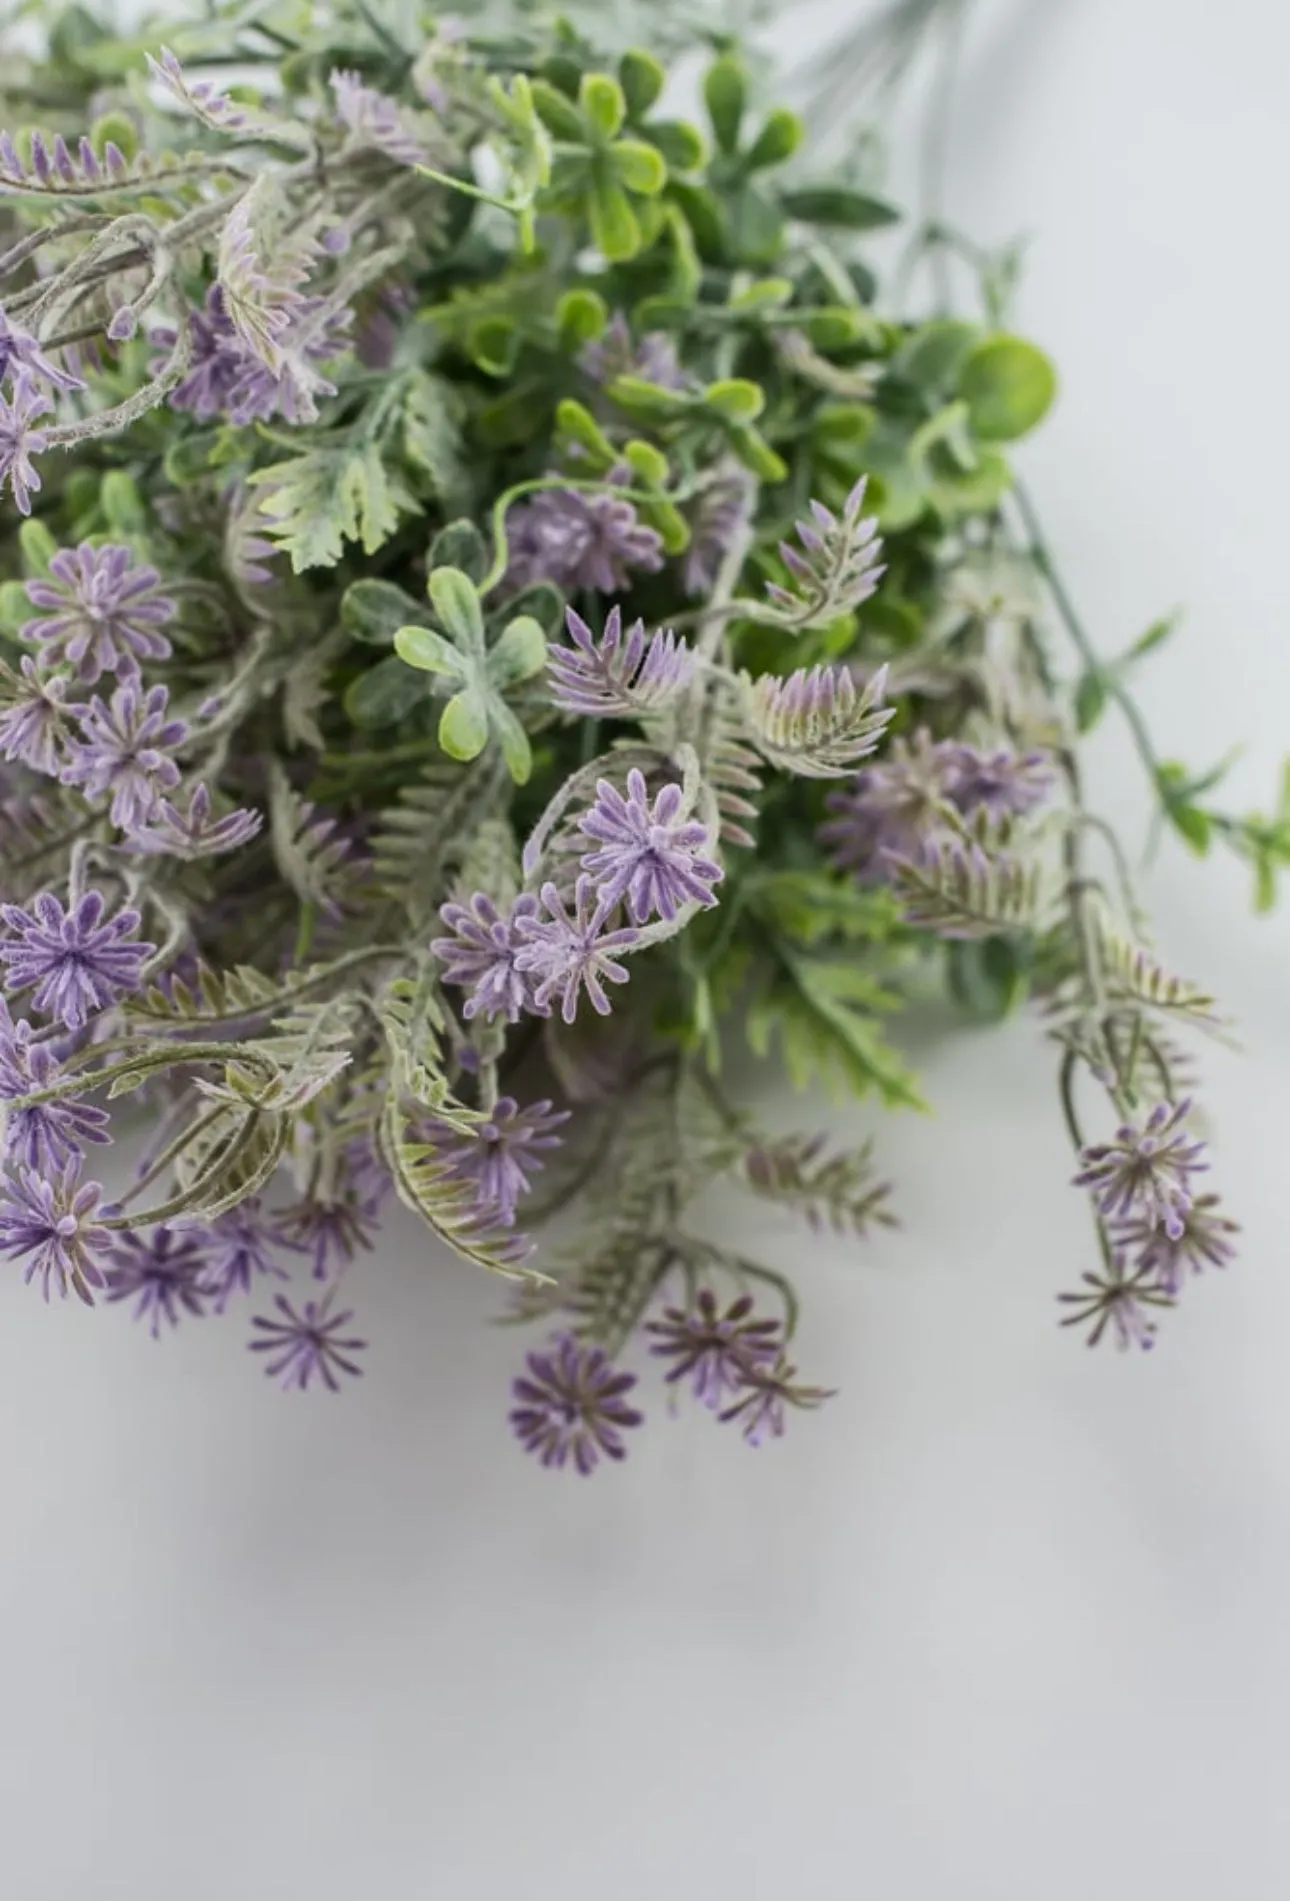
column 306, row 1345
column 715, row 1351
column 482, row 956
column 19, row 442
column 614, row 354
column 235, row 1247
column 79, row 960
column 374, row 120
column 836, row 567
column 201, row 96
column 651, row 855
column 571, row 1404
column 718, row 515
column 567, row 953
column 895, row 807
column 616, row 674
column 591, row 540
column 104, row 612
column 20, row 352
column 50, row 1220
column 766, row 1390
column 227, row 379
column 126, row 752
column 332, row 1223
column 195, row 833
column 46, row 1135
column 499, row 1155
column 33, row 726
column 1144, row 1173
column 1203, row 1242
column 164, row 1270
column 1007, row 784
column 1119, row 1300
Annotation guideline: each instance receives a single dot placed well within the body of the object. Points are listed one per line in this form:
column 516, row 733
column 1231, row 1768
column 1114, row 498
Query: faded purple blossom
column 766, row 1390
column 619, row 673
column 482, row 956
column 79, row 960
column 836, row 566
column 1203, row 1242
column 717, row 517
column 334, row 1220
column 200, row 96
column 307, row 1345
column 567, row 952
column 894, row 807
column 1006, row 784
column 125, row 751
column 615, row 354
column 196, row 833
column 44, row 1135
column 1145, row 1173
column 236, row 1248
column 498, row 1156
column 102, row 613
column 34, row 724
column 651, row 855
column 715, row 1351
column 571, row 1404
column 376, row 121
column 50, row 1221
column 19, row 441
column 162, row 1273
column 20, row 351
column 1121, row 1300
column 577, row 539
column 227, row 379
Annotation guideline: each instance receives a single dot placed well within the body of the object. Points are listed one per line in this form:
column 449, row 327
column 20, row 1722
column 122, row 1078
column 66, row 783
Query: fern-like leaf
column 338, row 490
column 1131, row 971
column 426, row 1184
column 836, row 1190
column 417, row 841
column 262, row 266
column 733, row 770
column 312, row 854
column 816, row 722
column 824, row 1019
column 961, row 888
column 834, row 569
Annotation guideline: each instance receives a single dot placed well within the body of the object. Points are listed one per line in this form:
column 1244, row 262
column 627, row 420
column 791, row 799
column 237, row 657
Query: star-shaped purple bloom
column 162, row 1273
column 715, row 1351
column 49, row 1220
column 482, row 956
column 79, row 960
column 236, row 1248
column 571, row 1405
column 307, row 1345
column 19, row 441
column 581, row 539
column 46, row 1136
column 20, row 351
column 1145, row 1172
column 568, row 952
column 499, row 1155
column 33, row 725
column 125, row 751
column 103, row 612
column 651, row 855
column 195, row 833
column 332, row 1225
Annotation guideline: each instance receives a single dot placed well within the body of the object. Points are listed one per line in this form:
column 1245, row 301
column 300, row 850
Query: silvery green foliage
column 480, row 581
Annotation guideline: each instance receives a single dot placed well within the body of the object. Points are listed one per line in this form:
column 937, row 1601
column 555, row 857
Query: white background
column 1007, row 1622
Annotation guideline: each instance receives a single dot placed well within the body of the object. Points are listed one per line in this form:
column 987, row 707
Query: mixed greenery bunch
column 491, row 592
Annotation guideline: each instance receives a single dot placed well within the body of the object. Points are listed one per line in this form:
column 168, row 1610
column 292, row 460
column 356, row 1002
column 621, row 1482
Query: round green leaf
column 682, row 144
column 735, row 399
column 373, row 611
column 456, row 602
column 778, row 139
column 725, row 92
column 638, row 166
column 423, row 648
column 614, row 229
column 383, row 694
column 642, row 79
column 603, row 105
column 463, row 729
column 519, row 653
column 1008, row 386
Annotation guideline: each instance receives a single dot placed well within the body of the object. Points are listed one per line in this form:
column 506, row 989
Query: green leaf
column 456, row 602
column 1090, row 700
column 122, row 503
column 756, row 226
column 810, row 907
column 824, row 1019
column 427, row 650
column 459, row 545
column 934, row 356
column 463, row 729
column 615, row 229
column 514, row 742
column 1156, row 635
column 603, row 105
column 518, row 654
column 15, row 606
column 383, row 695
column 778, row 139
column 575, row 424
column 333, row 493
column 989, row 977
column 1192, row 825
column 682, row 144
column 581, row 316
column 1008, row 386
column 837, row 208
column 373, row 612
column 559, row 115
column 735, row 399
column 642, row 79
column 725, row 93
column 756, row 454
column 37, row 546
column 638, row 166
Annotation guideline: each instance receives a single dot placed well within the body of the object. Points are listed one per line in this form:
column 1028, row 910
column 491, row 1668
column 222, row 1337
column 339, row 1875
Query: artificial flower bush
column 495, row 607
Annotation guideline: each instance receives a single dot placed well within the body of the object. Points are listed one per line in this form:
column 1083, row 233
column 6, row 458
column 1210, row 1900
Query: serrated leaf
column 333, row 493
